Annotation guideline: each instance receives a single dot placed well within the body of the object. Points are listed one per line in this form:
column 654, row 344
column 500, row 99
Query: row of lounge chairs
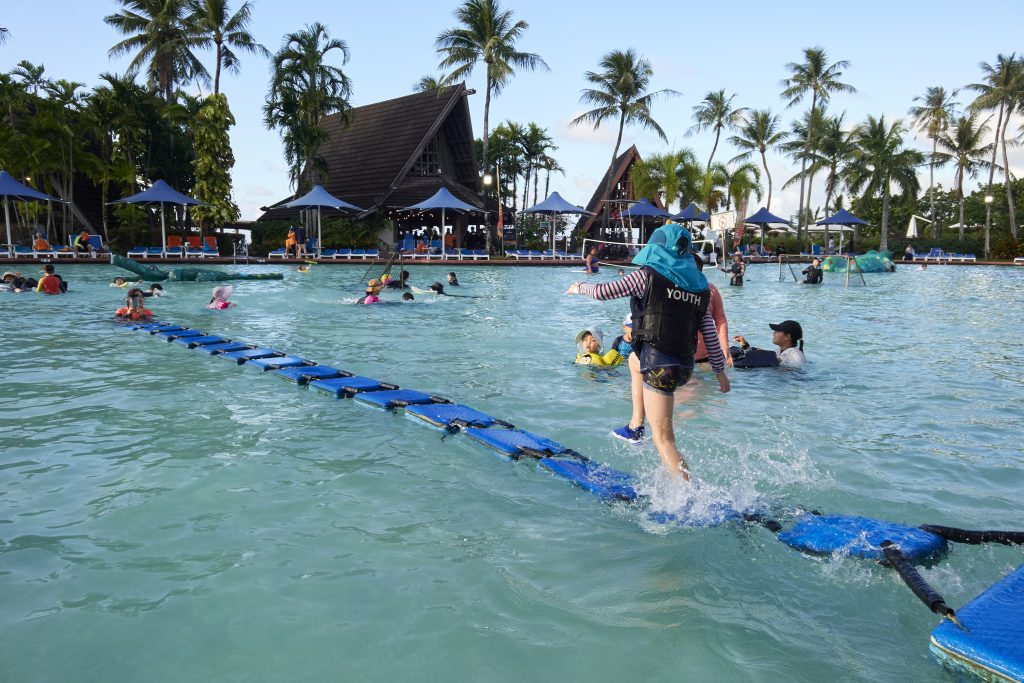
column 547, row 254
column 938, row 256
column 42, row 249
column 365, row 254
column 193, row 247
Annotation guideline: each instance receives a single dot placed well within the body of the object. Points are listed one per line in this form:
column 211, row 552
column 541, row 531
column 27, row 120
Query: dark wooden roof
column 372, row 163
column 620, row 175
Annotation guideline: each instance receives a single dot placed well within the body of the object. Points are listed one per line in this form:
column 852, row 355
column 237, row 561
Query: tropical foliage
column 213, row 163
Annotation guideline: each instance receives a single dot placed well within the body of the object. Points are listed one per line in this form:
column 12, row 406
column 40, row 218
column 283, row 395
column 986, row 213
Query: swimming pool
column 165, row 515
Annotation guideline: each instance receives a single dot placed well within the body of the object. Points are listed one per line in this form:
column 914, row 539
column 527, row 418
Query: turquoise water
column 166, row 515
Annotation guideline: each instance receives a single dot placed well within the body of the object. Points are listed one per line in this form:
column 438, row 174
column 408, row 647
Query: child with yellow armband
column 588, row 347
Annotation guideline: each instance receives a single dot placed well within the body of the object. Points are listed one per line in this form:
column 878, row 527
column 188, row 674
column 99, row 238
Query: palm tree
column 428, row 83
column 715, row 112
column 816, row 76
column 932, row 117
column 1002, row 89
column 550, row 165
column 660, row 175
column 162, row 34
column 880, row 161
column 962, row 143
column 620, row 92
column 304, row 88
column 488, row 34
column 758, row 132
column 5, row 33
column 534, row 142
column 217, row 26
column 30, row 76
column 740, row 181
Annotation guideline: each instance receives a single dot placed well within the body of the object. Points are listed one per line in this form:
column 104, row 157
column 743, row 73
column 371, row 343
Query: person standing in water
column 590, row 263
column 669, row 305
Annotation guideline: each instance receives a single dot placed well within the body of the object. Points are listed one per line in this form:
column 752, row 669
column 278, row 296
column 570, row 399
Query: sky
column 895, row 49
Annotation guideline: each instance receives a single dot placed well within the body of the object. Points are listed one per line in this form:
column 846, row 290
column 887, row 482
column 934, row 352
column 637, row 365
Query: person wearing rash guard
column 717, row 310
column 133, row 308
column 786, row 335
column 624, row 342
column 813, row 274
column 590, row 263
column 51, row 283
column 738, row 270
column 669, row 301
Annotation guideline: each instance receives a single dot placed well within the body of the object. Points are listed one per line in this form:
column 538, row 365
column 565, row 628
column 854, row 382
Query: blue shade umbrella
column 690, row 213
column 443, row 200
column 554, row 205
column 841, row 217
column 11, row 189
column 763, row 218
column 643, row 210
column 319, row 197
column 160, row 193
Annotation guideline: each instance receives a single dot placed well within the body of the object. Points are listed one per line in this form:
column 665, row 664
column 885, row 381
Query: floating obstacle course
column 984, row 638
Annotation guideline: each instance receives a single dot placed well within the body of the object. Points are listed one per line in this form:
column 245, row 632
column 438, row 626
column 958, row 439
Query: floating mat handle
column 915, row 582
column 975, row 537
column 539, row 455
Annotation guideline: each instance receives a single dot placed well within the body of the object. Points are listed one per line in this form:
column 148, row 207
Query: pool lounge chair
column 174, row 247
column 358, row 254
column 193, row 247
column 342, row 254
column 136, row 252
column 44, row 250
column 327, row 254
column 277, row 253
column 1018, row 261
column 154, row 252
column 482, row 254
column 210, row 247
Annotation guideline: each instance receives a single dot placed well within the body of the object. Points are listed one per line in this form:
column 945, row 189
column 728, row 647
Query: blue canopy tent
column 319, row 197
column 691, row 213
column 160, row 193
column 443, row 200
column 643, row 210
column 11, row 189
column 841, row 217
column 763, row 218
column 555, row 205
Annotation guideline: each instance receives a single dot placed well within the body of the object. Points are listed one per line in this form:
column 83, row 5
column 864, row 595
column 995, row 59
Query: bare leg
column 659, row 413
column 636, row 385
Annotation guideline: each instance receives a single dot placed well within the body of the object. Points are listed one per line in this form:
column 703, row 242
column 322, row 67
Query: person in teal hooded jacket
column 669, row 305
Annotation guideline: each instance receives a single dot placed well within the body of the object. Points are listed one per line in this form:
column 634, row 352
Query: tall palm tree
column 488, row 34
column 304, row 88
column 880, row 161
column 659, row 175
column 740, row 181
column 534, row 141
column 715, row 112
column 218, row 27
column 836, row 148
column 31, row 76
column 1002, row 89
column 162, row 35
column 550, row 165
column 5, row 34
column 932, row 118
column 819, row 78
column 962, row 144
column 758, row 132
column 620, row 92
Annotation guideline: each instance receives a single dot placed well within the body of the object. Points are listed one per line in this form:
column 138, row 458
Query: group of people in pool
column 50, row 283
column 377, row 285
column 676, row 319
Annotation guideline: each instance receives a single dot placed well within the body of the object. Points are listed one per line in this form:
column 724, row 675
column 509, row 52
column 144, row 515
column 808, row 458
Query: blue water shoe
column 631, row 435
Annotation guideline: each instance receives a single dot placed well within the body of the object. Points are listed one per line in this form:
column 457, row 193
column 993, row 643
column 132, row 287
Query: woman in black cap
column 786, row 335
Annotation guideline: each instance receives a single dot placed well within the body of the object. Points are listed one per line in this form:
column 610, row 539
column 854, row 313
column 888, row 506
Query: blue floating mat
column 698, row 514
column 993, row 642
column 601, row 480
column 223, row 348
column 150, row 327
column 447, row 414
column 275, row 362
column 156, row 329
column 303, row 375
column 249, row 354
column 348, row 386
column 390, row 398
column 860, row 537
column 509, row 441
column 171, row 335
column 203, row 340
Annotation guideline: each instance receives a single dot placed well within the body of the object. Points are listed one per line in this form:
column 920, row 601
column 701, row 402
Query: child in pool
column 121, row 282
column 452, row 280
column 373, row 288
column 154, row 290
column 133, row 308
column 588, row 347
column 407, row 296
column 219, row 297
column 624, row 342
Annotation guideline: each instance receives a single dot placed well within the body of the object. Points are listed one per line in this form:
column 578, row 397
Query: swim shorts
column 666, row 380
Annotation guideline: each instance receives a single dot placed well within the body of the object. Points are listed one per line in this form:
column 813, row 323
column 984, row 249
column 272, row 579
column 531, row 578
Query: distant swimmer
column 373, row 288
column 219, row 297
column 786, row 335
column 813, row 275
column 738, row 269
column 401, row 283
column 590, row 263
column 133, row 308
column 589, row 351
column 452, row 280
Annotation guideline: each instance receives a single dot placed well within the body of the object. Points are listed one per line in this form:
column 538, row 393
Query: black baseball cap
column 790, row 327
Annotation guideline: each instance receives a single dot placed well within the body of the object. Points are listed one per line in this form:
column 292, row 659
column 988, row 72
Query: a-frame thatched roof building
column 622, row 191
column 399, row 152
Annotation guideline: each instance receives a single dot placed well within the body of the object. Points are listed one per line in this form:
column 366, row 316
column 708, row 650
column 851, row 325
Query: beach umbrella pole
column 319, row 232
column 7, row 219
column 442, row 233
column 163, row 229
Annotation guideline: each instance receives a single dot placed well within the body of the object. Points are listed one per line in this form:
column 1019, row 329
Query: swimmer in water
column 407, row 296
column 133, row 308
column 588, row 349
column 154, row 290
column 373, row 288
column 219, row 297
column 452, row 280
column 786, row 335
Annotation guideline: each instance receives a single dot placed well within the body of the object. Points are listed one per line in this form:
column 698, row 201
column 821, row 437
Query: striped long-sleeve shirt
column 635, row 284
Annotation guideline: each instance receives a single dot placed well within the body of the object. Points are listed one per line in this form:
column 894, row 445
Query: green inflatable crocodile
column 154, row 274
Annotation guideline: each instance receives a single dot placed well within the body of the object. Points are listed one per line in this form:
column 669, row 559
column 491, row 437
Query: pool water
column 166, row 515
